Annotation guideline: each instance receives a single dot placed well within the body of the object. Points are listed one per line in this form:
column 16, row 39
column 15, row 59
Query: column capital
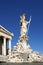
column 10, row 38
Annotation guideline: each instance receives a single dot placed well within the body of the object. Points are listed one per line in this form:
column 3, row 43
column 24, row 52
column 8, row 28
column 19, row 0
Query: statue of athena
column 23, row 24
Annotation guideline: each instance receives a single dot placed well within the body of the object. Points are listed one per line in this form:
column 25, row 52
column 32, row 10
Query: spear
column 29, row 22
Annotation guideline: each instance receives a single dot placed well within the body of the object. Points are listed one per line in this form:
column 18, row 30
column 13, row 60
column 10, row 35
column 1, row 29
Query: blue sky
column 10, row 11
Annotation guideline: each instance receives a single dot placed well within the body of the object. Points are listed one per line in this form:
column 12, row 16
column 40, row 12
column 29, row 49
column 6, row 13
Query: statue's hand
column 30, row 19
column 28, row 22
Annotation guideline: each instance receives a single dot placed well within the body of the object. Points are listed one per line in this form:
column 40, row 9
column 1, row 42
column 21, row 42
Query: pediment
column 3, row 30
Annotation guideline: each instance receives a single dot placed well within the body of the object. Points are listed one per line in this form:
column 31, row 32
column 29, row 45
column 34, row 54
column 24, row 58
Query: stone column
column 4, row 46
column 9, row 46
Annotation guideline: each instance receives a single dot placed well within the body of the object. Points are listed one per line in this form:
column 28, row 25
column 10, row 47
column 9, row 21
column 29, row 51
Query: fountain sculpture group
column 22, row 52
